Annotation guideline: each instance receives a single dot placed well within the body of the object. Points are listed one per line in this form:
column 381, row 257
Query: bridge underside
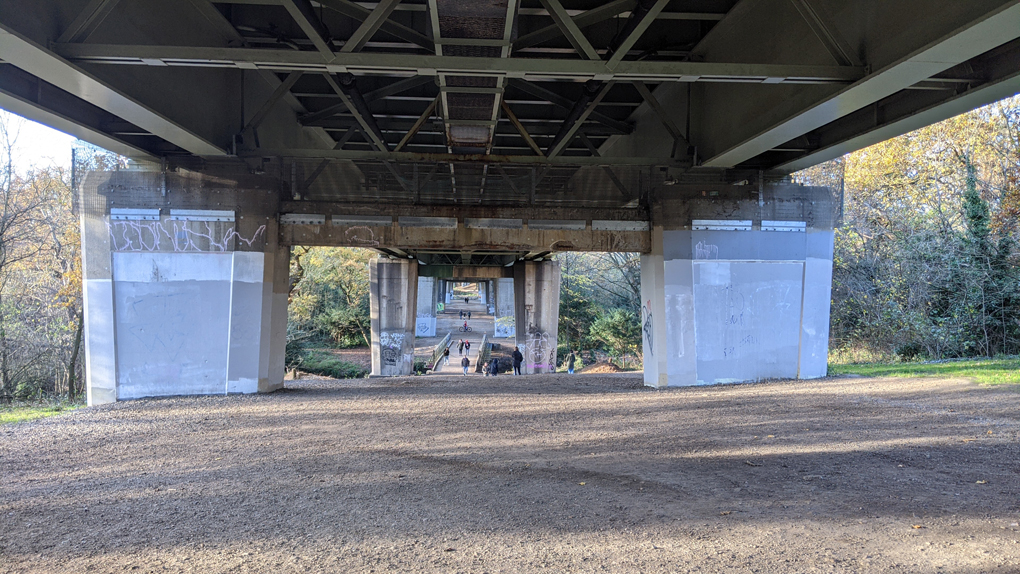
column 451, row 133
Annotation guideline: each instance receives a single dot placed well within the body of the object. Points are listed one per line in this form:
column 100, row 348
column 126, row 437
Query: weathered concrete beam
column 786, row 202
column 461, row 238
column 464, row 211
column 467, row 273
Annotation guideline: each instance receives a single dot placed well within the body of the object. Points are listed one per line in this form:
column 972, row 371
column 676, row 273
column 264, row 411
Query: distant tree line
column 926, row 259
column 41, row 317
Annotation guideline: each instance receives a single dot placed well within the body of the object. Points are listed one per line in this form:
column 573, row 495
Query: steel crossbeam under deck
column 427, row 65
column 773, row 85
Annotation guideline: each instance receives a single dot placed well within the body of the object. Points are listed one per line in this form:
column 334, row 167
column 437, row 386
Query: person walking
column 518, row 358
column 469, row 315
column 446, row 356
column 494, row 367
column 570, row 362
column 467, row 346
column 460, row 347
column 465, row 363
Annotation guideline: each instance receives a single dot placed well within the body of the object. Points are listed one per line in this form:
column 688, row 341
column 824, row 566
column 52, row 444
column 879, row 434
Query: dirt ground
column 584, row 473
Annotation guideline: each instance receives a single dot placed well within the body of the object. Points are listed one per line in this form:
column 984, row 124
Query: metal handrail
column 484, row 352
column 437, row 353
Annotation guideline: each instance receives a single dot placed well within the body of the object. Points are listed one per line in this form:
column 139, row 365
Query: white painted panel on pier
column 172, row 312
column 747, row 320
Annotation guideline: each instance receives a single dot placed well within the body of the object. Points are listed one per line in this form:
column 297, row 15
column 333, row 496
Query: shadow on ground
column 517, row 474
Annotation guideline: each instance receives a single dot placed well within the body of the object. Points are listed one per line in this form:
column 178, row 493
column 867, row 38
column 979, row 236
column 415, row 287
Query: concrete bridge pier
column 737, row 289
column 181, row 300
column 536, row 291
column 503, row 301
column 425, row 310
column 393, row 298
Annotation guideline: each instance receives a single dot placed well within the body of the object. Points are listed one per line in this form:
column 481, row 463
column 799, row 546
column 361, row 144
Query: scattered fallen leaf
column 968, row 440
column 990, row 432
column 581, row 483
column 749, row 463
column 450, row 550
column 917, row 526
column 219, row 458
column 725, row 512
column 981, row 482
column 771, row 436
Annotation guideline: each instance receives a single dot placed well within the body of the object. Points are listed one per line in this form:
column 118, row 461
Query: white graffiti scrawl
column 540, row 352
column 175, row 236
column 391, row 346
column 706, row 251
column 646, row 325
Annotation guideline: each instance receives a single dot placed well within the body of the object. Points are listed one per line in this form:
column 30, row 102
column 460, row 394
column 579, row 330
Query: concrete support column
column 503, row 302
column 393, row 294
column 97, row 298
column 738, row 302
column 180, row 301
column 273, row 342
column 434, row 304
column 815, row 309
column 425, row 310
column 537, row 312
column 653, row 314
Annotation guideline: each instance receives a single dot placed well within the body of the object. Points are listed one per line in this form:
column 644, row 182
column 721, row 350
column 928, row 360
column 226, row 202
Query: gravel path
column 590, row 473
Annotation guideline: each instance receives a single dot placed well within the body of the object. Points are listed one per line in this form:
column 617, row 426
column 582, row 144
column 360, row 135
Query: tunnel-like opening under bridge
column 735, row 277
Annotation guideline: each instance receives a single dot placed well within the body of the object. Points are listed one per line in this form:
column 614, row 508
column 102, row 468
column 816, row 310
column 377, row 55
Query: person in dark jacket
column 494, row 367
column 446, row 356
column 465, row 363
column 518, row 359
column 570, row 362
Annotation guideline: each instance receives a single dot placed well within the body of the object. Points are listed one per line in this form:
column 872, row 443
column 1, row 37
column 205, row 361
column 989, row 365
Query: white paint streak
column 177, row 236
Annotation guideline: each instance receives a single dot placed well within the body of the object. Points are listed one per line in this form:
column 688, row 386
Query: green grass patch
column 319, row 360
column 322, row 363
column 21, row 412
column 984, row 371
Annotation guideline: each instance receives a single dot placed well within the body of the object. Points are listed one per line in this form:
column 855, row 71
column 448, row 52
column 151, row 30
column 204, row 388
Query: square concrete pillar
column 503, row 304
column 425, row 309
column 100, row 341
column 180, row 301
column 393, row 295
column 653, row 314
column 537, row 313
column 273, row 342
column 816, row 307
column 740, row 302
